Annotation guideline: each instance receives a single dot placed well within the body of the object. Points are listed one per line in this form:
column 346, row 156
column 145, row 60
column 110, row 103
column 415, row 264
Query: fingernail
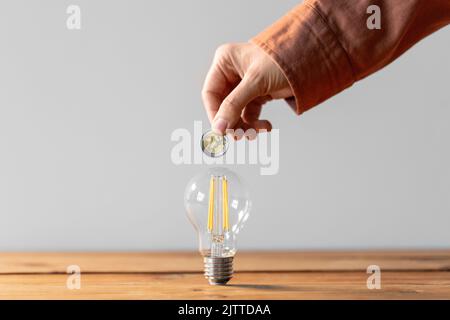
column 220, row 125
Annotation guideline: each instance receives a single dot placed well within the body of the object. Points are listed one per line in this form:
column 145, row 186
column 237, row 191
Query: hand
column 242, row 78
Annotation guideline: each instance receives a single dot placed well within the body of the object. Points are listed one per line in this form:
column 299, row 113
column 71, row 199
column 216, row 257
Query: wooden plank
column 275, row 285
column 147, row 262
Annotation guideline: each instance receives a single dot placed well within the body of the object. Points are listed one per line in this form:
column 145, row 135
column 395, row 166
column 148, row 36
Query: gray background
column 86, row 118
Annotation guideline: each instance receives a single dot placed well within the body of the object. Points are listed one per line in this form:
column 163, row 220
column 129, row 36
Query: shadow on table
column 263, row 287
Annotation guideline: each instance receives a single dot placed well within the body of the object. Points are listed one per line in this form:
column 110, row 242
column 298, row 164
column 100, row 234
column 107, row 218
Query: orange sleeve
column 324, row 46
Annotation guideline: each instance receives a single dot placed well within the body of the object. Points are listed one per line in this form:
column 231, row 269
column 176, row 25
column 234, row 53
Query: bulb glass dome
column 217, row 204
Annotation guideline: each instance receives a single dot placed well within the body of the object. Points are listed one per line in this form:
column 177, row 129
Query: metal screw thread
column 218, row 270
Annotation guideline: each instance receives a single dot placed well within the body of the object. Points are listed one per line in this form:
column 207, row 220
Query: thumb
column 231, row 107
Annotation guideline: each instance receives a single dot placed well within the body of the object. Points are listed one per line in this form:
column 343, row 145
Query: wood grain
column 260, row 275
column 295, row 285
column 101, row 262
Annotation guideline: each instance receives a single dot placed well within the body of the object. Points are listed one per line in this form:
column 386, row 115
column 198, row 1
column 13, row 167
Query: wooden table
column 259, row 275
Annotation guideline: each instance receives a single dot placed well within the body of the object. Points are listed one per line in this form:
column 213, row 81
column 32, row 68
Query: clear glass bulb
column 217, row 204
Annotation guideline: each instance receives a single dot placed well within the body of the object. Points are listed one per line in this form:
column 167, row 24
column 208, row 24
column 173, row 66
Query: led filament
column 217, row 214
column 218, row 205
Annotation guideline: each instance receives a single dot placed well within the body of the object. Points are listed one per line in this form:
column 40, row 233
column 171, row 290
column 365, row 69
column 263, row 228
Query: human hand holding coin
column 242, row 78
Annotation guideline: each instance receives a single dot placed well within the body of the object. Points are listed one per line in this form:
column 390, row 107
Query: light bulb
column 218, row 205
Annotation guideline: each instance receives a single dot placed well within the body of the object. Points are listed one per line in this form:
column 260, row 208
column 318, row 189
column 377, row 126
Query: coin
column 214, row 144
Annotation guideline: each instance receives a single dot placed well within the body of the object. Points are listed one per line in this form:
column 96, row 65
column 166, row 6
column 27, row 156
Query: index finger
column 215, row 89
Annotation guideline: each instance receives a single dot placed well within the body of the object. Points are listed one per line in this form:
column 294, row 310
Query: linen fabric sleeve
column 324, row 46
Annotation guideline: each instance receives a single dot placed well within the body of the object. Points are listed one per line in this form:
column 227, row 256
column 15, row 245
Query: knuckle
column 205, row 94
column 224, row 50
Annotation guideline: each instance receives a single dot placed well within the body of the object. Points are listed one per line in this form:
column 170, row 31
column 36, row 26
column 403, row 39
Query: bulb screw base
column 218, row 270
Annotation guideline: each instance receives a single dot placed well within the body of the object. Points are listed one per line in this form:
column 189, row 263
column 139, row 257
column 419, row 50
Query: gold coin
column 214, row 144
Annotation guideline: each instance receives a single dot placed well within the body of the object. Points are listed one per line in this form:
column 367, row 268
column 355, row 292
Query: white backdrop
column 86, row 118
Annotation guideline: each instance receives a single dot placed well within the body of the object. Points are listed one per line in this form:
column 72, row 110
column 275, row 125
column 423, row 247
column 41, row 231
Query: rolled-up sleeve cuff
column 310, row 55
